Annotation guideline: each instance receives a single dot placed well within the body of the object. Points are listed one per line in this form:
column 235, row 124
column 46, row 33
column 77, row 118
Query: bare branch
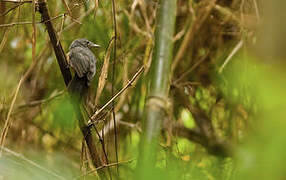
column 104, row 166
column 24, row 23
column 93, row 117
column 17, row 1
column 7, row 122
column 112, row 79
column 233, row 52
column 42, row 101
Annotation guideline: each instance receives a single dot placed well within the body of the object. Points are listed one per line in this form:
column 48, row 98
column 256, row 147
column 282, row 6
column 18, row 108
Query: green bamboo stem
column 160, row 74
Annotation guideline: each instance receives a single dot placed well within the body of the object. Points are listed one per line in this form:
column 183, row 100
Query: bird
column 82, row 60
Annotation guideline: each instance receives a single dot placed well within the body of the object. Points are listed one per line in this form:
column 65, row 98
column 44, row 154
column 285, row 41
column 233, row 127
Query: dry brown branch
column 17, row 1
column 95, row 6
column 113, row 81
column 109, row 126
column 179, row 35
column 134, row 26
column 25, row 23
column 15, row 23
column 5, row 36
column 11, row 9
column 256, row 10
column 143, row 11
column 129, row 84
column 79, row 19
column 75, row 20
column 227, row 14
column 201, row 18
column 104, row 166
column 67, row 8
column 131, row 125
column 8, row 122
column 34, row 34
column 42, row 101
column 61, row 28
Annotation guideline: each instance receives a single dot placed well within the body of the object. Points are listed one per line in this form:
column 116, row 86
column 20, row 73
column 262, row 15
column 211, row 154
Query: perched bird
column 82, row 60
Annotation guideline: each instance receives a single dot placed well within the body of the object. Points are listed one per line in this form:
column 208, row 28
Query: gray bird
column 83, row 61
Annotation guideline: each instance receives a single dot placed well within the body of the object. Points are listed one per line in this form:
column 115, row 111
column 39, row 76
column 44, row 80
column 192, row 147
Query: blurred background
column 226, row 105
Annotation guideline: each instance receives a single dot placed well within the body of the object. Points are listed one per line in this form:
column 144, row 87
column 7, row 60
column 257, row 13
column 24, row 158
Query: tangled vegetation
column 183, row 90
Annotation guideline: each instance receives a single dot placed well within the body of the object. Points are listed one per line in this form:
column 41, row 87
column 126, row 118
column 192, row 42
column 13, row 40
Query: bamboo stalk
column 160, row 74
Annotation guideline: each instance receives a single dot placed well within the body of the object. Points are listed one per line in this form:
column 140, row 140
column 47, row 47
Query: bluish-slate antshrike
column 83, row 62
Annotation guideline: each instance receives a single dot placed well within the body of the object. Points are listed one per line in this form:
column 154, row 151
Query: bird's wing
column 80, row 60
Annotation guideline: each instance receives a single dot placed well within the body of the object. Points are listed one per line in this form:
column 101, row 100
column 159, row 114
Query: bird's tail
column 78, row 87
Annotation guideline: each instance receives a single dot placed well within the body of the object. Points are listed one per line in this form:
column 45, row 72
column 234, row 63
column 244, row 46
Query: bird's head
column 83, row 43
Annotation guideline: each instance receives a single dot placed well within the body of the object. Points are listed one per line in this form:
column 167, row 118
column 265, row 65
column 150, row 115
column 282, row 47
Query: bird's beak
column 93, row 45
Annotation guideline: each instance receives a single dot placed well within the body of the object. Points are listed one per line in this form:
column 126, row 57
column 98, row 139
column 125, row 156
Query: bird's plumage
column 82, row 59
column 83, row 62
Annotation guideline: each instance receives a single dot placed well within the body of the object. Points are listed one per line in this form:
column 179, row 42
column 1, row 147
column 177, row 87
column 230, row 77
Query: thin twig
column 227, row 14
column 103, row 149
column 95, row 7
column 25, row 23
column 131, row 125
column 256, row 10
column 67, row 7
column 112, row 81
column 11, row 9
column 101, row 139
column 15, row 1
column 233, row 52
column 42, row 101
column 15, row 23
column 91, row 121
column 34, row 35
column 7, row 122
column 75, row 20
column 5, row 36
column 81, row 17
column 20, row 156
column 61, row 28
column 104, row 166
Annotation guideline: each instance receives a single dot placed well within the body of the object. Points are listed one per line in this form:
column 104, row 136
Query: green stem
column 160, row 74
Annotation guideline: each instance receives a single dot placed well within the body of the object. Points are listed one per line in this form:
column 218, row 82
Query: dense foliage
column 223, row 117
